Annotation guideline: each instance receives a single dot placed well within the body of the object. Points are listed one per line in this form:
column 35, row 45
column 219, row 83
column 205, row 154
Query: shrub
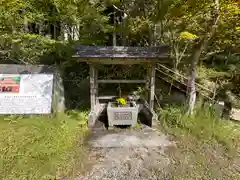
column 204, row 124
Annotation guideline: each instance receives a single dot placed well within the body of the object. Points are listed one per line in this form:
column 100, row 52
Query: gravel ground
column 128, row 155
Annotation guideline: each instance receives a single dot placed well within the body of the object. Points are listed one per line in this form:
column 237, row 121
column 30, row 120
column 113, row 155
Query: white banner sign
column 26, row 93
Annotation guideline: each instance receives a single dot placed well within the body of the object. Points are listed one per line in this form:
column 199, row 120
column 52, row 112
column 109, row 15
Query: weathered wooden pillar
column 92, row 86
column 92, row 115
column 96, row 89
column 152, row 86
column 147, row 85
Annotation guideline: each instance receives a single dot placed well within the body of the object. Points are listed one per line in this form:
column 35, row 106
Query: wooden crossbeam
column 105, row 97
column 120, row 81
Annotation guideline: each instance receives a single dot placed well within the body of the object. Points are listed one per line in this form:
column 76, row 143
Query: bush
column 41, row 147
column 204, row 124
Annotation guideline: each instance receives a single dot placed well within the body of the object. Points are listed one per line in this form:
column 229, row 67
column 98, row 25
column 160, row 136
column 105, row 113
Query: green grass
column 41, row 147
column 204, row 125
column 207, row 147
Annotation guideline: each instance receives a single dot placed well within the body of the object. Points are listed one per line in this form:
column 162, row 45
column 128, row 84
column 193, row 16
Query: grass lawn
column 52, row 148
column 207, row 147
column 41, row 147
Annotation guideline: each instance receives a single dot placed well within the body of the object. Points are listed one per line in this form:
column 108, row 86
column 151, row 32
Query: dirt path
column 128, row 155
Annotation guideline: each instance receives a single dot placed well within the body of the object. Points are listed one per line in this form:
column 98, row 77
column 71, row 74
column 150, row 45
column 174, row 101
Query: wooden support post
column 147, row 84
column 152, row 86
column 92, row 87
column 92, row 114
column 96, row 90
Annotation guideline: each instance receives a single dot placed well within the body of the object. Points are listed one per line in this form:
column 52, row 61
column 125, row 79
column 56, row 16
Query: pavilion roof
column 122, row 52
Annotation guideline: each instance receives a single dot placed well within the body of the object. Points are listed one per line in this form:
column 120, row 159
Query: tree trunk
column 193, row 73
column 25, row 24
column 124, row 30
column 64, row 32
column 199, row 48
column 150, row 36
column 114, row 36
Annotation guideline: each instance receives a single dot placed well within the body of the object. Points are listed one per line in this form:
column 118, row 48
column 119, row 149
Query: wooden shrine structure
column 105, row 55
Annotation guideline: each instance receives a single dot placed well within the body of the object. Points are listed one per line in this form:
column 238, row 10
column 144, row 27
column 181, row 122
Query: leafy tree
column 43, row 31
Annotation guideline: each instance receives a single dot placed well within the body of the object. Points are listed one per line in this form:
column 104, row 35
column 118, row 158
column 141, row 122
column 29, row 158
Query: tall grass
column 207, row 147
column 204, row 124
column 41, row 147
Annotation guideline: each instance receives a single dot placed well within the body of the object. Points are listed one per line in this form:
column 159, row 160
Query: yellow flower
column 121, row 101
column 187, row 36
column 238, row 28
